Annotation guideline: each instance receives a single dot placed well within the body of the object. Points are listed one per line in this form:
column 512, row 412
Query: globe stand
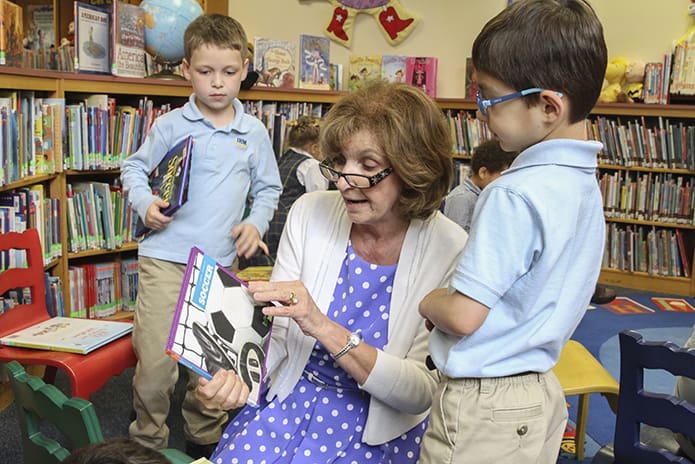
column 167, row 71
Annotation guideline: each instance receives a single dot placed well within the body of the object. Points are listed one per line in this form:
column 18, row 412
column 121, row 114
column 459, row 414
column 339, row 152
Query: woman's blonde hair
column 413, row 133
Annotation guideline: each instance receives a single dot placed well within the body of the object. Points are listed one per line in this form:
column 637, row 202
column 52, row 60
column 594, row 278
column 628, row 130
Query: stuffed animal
column 613, row 80
column 690, row 33
column 633, row 82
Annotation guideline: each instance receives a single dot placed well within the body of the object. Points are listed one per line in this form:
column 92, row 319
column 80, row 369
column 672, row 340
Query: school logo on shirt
column 241, row 142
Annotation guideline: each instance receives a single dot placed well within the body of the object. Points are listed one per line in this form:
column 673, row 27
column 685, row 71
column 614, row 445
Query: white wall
column 635, row 29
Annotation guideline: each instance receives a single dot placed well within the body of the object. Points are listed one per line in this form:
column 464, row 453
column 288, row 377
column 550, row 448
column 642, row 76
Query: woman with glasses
column 347, row 379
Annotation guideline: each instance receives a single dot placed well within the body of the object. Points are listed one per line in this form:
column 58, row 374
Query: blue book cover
column 314, row 60
column 169, row 180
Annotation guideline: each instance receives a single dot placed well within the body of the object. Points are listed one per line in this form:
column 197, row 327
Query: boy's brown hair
column 491, row 156
column 119, row 450
column 551, row 44
column 215, row 29
column 413, row 133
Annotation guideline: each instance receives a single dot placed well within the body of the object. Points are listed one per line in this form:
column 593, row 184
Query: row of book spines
column 26, row 208
column 666, row 145
column 657, row 78
column 274, row 115
column 660, row 197
column 99, row 290
column 44, row 136
column 461, row 171
column 59, row 59
column 647, row 249
column 467, row 132
column 683, row 72
column 31, row 136
column 99, row 217
column 101, row 138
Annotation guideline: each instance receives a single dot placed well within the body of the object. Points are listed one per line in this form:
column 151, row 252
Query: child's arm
column 135, row 173
column 453, row 313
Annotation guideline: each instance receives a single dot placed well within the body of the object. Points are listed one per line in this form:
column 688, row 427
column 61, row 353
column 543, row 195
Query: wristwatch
column 353, row 340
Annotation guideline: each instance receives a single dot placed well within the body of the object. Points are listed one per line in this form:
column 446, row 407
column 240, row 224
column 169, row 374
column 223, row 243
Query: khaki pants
column 156, row 373
column 516, row 420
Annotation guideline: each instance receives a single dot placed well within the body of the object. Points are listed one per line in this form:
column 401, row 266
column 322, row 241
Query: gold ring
column 293, row 298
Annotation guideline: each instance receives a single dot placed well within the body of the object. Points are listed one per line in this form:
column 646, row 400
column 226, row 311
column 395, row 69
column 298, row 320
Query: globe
column 165, row 23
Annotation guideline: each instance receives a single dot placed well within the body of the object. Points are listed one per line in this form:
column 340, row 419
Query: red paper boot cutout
column 392, row 23
column 336, row 26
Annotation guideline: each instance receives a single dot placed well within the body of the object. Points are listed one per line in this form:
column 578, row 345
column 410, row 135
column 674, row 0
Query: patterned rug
column 657, row 318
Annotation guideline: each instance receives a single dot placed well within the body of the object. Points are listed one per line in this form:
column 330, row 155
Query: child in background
column 487, row 163
column 232, row 157
column 528, row 270
column 116, row 451
column 300, row 173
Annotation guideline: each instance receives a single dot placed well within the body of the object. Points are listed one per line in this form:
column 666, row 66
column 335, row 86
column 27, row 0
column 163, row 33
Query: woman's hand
column 226, row 390
column 291, row 299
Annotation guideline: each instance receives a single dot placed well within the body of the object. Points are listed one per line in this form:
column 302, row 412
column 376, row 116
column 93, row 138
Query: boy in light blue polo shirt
column 534, row 252
column 232, row 158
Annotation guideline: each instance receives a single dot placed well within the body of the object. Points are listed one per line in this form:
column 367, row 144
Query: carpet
column 657, row 318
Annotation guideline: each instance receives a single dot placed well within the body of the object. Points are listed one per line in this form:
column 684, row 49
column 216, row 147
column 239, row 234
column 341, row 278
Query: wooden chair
column 580, row 373
column 87, row 373
column 647, row 421
column 75, row 418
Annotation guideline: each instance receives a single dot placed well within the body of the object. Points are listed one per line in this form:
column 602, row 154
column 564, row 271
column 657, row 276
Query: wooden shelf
column 648, row 282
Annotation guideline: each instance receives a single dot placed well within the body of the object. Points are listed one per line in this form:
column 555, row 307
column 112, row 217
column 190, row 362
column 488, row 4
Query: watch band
column 353, row 340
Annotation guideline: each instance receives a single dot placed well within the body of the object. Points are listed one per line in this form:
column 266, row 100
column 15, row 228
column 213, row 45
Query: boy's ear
column 185, row 68
column 552, row 104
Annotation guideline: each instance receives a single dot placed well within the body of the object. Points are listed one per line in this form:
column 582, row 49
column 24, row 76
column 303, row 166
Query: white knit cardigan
column 312, row 249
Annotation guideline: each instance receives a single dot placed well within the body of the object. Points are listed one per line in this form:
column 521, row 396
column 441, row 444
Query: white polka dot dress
column 322, row 420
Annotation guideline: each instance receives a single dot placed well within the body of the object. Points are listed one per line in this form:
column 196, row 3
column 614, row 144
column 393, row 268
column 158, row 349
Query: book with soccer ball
column 218, row 325
column 169, row 180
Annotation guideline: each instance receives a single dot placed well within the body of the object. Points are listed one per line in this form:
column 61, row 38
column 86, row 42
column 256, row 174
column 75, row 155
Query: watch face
column 354, row 339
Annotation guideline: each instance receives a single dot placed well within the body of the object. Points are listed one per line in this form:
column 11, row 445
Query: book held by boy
column 71, row 334
column 218, row 325
column 169, row 180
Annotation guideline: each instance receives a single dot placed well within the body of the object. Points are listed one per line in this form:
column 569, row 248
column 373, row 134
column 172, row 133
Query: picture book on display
column 217, row 324
column 92, row 39
column 314, row 61
column 363, row 69
column 71, row 334
column 169, row 180
column 275, row 61
column 11, row 33
column 393, row 68
column 128, row 40
column 421, row 71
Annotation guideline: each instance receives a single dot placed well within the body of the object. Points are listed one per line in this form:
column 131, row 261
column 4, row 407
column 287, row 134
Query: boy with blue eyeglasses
column 533, row 256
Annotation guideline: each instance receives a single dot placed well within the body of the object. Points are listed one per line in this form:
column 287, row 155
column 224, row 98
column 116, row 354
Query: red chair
column 87, row 373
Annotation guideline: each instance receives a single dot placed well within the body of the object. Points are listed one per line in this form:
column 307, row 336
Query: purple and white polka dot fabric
column 322, row 420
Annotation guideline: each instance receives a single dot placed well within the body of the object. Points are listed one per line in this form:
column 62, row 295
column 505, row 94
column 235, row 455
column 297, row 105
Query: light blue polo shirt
column 228, row 163
column 533, row 257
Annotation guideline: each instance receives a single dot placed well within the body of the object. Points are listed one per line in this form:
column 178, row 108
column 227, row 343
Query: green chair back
column 39, row 403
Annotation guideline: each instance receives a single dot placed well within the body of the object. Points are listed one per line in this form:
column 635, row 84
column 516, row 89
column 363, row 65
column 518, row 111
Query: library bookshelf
column 68, row 85
column 649, row 162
